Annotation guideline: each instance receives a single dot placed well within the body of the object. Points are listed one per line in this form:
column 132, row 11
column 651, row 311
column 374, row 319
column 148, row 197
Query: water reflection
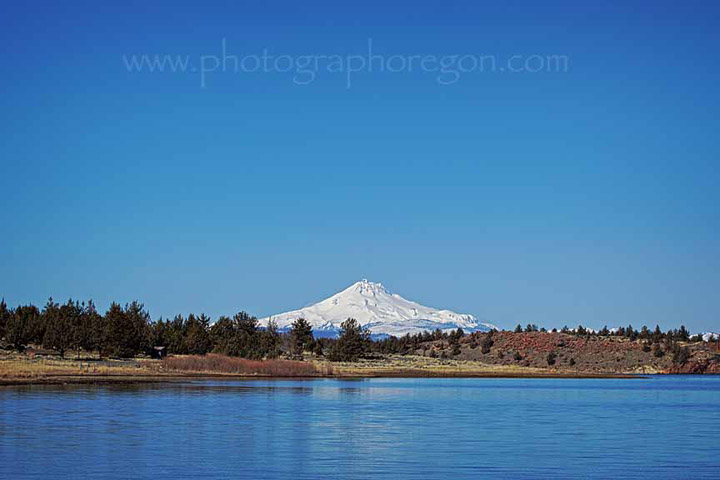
column 364, row 428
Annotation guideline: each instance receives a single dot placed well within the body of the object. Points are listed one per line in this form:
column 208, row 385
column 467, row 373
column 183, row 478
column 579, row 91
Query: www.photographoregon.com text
column 305, row 69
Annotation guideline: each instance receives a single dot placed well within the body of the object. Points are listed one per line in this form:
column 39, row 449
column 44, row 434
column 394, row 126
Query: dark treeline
column 128, row 331
column 121, row 332
column 653, row 336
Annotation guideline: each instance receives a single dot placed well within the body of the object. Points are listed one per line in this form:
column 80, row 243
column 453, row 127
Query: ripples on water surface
column 660, row 427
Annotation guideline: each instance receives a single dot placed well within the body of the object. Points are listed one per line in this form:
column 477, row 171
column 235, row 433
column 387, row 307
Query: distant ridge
column 383, row 312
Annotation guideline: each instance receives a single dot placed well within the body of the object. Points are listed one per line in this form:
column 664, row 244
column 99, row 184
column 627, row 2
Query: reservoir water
column 657, row 427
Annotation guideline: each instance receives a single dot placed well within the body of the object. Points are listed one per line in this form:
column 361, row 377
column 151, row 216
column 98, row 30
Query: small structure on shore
column 158, row 352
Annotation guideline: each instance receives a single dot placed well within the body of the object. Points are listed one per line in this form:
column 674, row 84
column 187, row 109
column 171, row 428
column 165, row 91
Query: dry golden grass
column 17, row 368
column 222, row 364
column 23, row 366
column 419, row 366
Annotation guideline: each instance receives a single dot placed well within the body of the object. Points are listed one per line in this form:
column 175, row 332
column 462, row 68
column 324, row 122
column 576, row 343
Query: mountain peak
column 384, row 313
column 368, row 287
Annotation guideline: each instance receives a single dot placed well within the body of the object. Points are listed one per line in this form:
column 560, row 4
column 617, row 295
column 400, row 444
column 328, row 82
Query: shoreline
column 124, row 379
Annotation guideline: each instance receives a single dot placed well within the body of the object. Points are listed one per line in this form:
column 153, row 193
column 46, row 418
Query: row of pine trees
column 655, row 336
column 128, row 331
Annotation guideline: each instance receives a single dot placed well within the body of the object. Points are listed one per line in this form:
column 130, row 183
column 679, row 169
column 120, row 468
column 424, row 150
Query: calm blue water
column 661, row 427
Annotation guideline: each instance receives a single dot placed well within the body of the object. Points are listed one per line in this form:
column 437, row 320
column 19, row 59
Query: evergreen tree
column 657, row 334
column 101, row 332
column 61, row 325
column 246, row 323
column 301, row 335
column 159, row 334
column 644, row 332
column 352, row 343
column 89, row 323
column 631, row 333
column 244, row 342
column 518, row 329
column 683, row 334
column 127, row 329
column 37, row 325
column 269, row 342
column 19, row 324
column 5, row 314
column 176, row 335
column 198, row 337
column 487, row 343
column 222, row 333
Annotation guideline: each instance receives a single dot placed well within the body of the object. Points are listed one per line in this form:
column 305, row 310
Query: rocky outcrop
column 697, row 367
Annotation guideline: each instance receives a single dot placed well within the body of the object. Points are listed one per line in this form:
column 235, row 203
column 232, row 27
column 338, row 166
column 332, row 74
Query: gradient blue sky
column 589, row 196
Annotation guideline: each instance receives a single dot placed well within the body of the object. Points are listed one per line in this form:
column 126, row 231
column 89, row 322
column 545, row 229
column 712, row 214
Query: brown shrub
column 224, row 364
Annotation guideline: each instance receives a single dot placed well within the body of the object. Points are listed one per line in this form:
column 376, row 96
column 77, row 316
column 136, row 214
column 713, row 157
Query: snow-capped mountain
column 707, row 336
column 384, row 313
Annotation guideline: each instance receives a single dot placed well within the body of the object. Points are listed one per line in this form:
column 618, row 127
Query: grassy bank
column 23, row 369
column 222, row 364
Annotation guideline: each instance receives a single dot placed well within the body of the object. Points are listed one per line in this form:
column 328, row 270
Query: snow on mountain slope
column 707, row 336
column 384, row 313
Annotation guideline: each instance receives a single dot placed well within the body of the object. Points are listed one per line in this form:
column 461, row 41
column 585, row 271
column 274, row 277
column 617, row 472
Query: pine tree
column 301, row 335
column 487, row 343
column 18, row 329
column 270, row 341
column 644, row 332
column 631, row 333
column 4, row 318
column 222, row 334
column 198, row 340
column 127, row 329
column 657, row 334
column 246, row 323
column 352, row 343
column 86, row 337
column 176, row 334
column 61, row 325
column 244, row 343
column 683, row 334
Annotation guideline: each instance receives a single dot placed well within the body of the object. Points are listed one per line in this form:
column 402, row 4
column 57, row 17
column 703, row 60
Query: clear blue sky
column 588, row 196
